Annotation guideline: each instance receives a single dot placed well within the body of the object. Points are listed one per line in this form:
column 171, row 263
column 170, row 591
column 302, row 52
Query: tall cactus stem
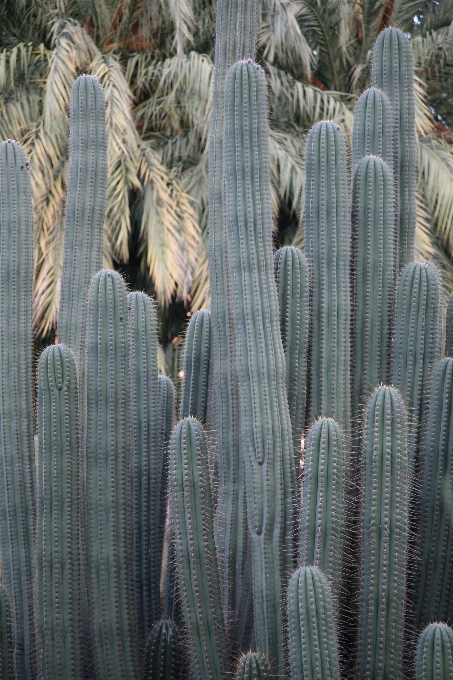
column 146, row 460
column 6, row 640
column 195, row 551
column 58, row 517
column 293, row 289
column 393, row 72
column 372, row 130
column 327, row 231
column 85, row 209
column 385, row 528
column 17, row 460
column 266, row 437
column 109, row 543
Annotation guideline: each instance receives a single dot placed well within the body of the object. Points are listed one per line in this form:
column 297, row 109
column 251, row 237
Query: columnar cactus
column 195, row 551
column 17, row 465
column 393, row 72
column 374, row 272
column 59, row 607
column 163, row 653
column 322, row 513
column 146, row 460
column 327, row 232
column 434, row 585
column 384, row 536
column 6, row 641
column 372, row 131
column 417, row 345
column 85, row 208
column 266, row 439
column 449, row 328
column 293, row 288
column 197, row 348
column 313, row 650
column 253, row 666
column 109, row 540
column 435, row 653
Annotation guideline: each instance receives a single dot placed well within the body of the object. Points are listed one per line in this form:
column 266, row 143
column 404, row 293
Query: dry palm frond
column 436, row 183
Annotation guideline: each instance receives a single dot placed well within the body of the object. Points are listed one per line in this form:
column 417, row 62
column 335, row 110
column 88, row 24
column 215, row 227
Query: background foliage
column 154, row 59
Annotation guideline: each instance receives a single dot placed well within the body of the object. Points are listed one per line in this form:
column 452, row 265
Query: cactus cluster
column 295, row 522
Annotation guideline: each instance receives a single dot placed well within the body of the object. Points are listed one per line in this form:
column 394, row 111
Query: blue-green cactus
column 253, row 666
column 449, row 328
column 435, row 653
column 197, row 349
column 385, row 535
column 163, row 653
column 293, row 288
column 17, row 464
column 313, row 647
column 6, row 640
column 59, row 583
column 372, row 131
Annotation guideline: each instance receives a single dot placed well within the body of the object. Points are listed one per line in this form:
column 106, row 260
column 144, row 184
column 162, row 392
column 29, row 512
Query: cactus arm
column 372, row 129
column 58, row 514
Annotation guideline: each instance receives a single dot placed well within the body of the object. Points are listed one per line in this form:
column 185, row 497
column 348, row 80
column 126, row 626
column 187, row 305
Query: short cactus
column 253, row 666
column 435, row 653
column 197, row 348
column 163, row 653
column 6, row 641
column 313, row 649
column 322, row 512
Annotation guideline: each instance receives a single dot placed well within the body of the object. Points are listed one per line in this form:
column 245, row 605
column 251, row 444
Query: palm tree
column 155, row 61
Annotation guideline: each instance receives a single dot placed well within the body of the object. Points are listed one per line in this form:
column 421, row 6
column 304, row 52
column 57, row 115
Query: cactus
column 236, row 31
column 17, row 466
column 292, row 278
column 266, row 439
column 163, row 653
column 6, row 642
column 253, row 666
column 109, row 546
column 449, row 328
column 146, row 460
column 195, row 550
column 384, row 536
column 58, row 517
column 434, row 583
column 417, row 345
column 371, row 134
column 197, row 347
column 85, row 209
column 322, row 513
column 393, row 72
column 435, row 653
column 373, row 266
column 327, row 230
column 313, row 651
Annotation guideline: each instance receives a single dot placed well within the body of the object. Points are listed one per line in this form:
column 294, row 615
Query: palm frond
column 435, row 160
column 429, row 247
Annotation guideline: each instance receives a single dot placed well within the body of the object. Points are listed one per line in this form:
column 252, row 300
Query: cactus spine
column 322, row 515
column 266, row 438
column 371, row 134
column 85, row 208
column 327, row 229
column 293, row 288
column 195, row 550
column 373, row 266
column 417, row 345
column 434, row 590
column 108, row 480
column 313, row 649
column 253, row 666
column 384, row 536
column 6, row 641
column 58, row 517
column 393, row 72
column 197, row 347
column 435, row 653
column 163, row 653
column 17, row 466
column 146, row 460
